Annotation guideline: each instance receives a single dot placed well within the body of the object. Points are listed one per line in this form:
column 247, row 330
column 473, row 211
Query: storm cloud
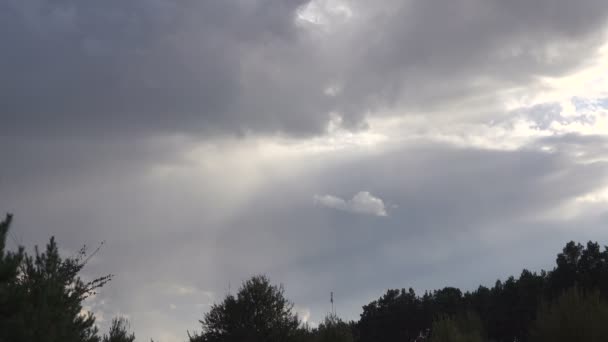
column 198, row 67
column 337, row 146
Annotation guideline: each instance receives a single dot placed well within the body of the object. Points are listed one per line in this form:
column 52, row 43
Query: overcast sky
column 335, row 145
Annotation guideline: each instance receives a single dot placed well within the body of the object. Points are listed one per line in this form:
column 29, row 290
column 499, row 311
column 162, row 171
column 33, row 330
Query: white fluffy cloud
column 362, row 203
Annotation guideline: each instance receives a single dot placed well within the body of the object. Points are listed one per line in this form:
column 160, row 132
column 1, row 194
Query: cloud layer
column 74, row 68
column 191, row 136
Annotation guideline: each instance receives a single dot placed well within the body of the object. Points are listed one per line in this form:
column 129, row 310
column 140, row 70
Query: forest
column 41, row 299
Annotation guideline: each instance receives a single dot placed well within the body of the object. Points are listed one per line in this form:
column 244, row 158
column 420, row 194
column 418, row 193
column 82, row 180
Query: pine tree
column 119, row 332
column 460, row 328
column 574, row 316
column 333, row 329
column 43, row 295
column 10, row 297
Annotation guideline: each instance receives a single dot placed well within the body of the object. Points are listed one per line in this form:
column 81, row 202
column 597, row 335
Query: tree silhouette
column 333, row 329
column 460, row 328
column 574, row 316
column 10, row 297
column 258, row 313
column 119, row 331
column 45, row 295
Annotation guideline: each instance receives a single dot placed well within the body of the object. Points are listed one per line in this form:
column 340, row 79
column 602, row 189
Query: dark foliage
column 458, row 328
column 507, row 309
column 10, row 298
column 42, row 295
column 574, row 316
column 119, row 332
column 333, row 329
column 258, row 313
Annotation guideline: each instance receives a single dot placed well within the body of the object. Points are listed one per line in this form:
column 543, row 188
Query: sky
column 334, row 145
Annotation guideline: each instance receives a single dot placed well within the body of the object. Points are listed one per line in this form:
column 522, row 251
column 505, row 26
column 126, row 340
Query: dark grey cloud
column 81, row 68
column 115, row 67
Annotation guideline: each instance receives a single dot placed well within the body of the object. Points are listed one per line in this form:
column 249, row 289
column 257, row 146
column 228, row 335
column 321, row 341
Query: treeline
column 508, row 311
column 41, row 299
